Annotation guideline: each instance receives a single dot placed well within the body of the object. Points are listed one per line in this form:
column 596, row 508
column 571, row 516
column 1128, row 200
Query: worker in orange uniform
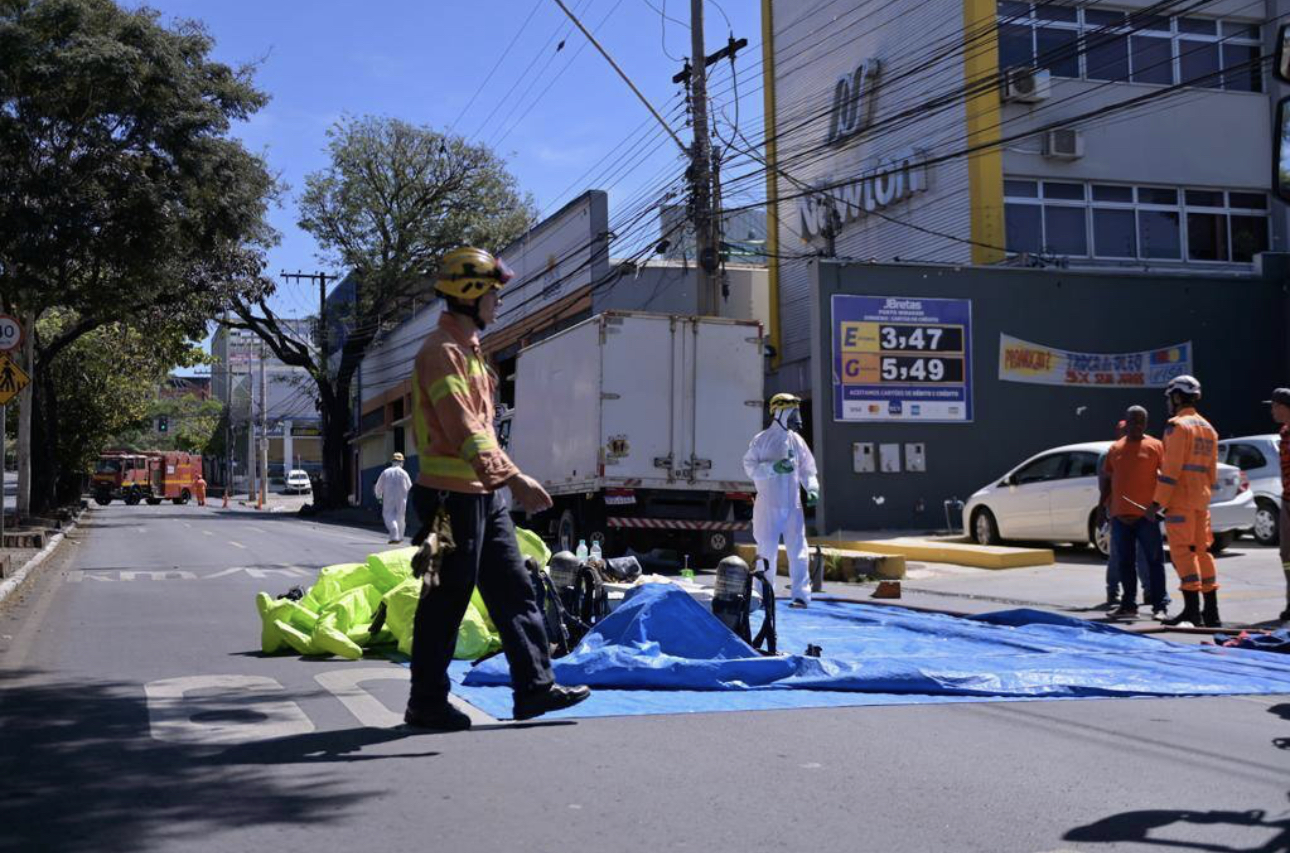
column 1187, row 476
column 461, row 470
column 200, row 487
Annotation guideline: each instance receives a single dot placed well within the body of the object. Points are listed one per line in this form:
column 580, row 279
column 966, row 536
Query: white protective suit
column 778, row 507
column 392, row 489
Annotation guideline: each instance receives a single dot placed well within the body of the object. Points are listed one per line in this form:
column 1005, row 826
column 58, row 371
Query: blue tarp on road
column 662, row 640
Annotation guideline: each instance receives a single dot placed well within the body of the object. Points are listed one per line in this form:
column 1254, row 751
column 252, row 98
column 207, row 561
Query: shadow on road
column 1136, row 827
column 79, row 771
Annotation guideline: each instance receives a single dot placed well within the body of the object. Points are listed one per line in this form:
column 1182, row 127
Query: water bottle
column 582, row 550
column 596, row 553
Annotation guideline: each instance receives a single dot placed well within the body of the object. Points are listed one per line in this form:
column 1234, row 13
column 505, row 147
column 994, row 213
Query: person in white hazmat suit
column 391, row 490
column 781, row 465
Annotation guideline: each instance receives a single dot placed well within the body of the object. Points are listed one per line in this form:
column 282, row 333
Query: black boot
column 1210, row 613
column 554, row 698
column 1190, row 612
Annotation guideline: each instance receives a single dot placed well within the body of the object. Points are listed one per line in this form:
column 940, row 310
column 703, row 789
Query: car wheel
column 1265, row 523
column 1222, row 541
column 1101, row 538
column 984, row 529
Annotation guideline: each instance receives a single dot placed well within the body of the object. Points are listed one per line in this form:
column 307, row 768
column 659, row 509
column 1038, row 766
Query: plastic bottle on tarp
column 596, row 553
column 582, row 550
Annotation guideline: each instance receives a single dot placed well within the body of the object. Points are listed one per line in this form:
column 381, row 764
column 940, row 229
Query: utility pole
column 264, row 431
column 322, row 278
column 250, row 434
column 701, row 167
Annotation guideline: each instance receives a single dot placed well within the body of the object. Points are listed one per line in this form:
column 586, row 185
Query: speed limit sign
column 10, row 333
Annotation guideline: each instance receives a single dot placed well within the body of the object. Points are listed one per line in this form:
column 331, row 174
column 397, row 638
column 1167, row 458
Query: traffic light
column 163, row 423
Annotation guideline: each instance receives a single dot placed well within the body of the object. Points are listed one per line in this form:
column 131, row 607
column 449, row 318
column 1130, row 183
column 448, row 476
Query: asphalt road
column 135, row 652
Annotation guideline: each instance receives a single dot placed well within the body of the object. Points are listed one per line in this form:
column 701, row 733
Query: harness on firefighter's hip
column 434, row 543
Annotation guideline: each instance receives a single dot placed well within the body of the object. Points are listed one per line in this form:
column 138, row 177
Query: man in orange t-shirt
column 1132, row 465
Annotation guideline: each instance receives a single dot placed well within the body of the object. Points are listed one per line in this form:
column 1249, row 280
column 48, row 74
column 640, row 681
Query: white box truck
column 637, row 425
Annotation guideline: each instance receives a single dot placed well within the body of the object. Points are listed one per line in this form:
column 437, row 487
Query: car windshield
column 108, row 466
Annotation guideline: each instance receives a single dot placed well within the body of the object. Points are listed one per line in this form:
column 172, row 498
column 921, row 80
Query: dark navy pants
column 487, row 555
column 1138, row 541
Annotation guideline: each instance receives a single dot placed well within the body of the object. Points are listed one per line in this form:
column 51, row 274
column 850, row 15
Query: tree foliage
column 124, row 199
column 393, row 200
column 107, row 383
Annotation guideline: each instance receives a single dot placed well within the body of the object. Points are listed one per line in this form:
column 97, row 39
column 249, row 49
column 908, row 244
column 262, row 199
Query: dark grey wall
column 1237, row 325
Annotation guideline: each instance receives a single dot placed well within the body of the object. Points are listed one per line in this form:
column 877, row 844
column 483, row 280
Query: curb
column 10, row 585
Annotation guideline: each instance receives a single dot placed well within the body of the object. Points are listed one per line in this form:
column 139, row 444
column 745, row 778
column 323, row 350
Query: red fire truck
column 150, row 475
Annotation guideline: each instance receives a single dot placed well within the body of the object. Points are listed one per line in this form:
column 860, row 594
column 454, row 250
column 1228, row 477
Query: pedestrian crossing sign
column 12, row 380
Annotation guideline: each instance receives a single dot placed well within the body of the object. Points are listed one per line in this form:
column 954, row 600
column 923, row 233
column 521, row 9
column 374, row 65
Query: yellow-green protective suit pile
column 335, row 615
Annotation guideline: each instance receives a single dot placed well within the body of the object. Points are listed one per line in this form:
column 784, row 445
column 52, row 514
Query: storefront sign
column 853, row 99
column 1020, row 361
column 894, row 180
column 898, row 358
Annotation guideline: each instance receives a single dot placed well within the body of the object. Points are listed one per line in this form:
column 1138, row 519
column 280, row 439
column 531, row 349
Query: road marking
column 261, row 574
column 238, row 713
column 208, row 533
column 237, row 544
column 159, row 576
column 186, row 524
column 141, row 530
column 77, row 577
column 366, row 708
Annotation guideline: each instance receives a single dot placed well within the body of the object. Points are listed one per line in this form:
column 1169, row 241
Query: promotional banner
column 1021, row 361
column 900, row 358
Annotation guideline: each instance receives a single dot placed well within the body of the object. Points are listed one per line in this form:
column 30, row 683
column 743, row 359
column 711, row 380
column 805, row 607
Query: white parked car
column 298, row 481
column 1259, row 458
column 1053, row 497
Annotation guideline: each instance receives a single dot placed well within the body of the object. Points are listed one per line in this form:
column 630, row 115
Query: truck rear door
column 724, row 400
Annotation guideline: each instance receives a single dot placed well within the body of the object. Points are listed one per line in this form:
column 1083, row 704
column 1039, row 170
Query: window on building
column 1102, row 45
column 1126, row 223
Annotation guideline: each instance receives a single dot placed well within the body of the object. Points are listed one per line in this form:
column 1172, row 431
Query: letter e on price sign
column 10, row 333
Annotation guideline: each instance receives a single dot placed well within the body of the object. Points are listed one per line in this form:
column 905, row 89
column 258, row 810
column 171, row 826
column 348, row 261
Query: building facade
column 1054, row 134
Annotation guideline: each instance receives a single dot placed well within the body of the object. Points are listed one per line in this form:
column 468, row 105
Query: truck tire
column 184, row 497
column 566, row 531
column 718, row 543
column 102, row 498
column 132, row 497
column 152, row 501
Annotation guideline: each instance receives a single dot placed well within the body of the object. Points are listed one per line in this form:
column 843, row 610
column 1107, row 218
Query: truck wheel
column 132, row 497
column 1266, row 520
column 566, row 532
column 102, row 498
column 718, row 543
column 152, row 501
column 183, row 498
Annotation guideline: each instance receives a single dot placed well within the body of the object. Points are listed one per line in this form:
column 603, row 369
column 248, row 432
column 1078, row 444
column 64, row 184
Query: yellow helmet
column 468, row 273
column 780, row 402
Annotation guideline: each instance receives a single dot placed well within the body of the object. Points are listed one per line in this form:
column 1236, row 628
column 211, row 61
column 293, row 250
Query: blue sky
column 552, row 114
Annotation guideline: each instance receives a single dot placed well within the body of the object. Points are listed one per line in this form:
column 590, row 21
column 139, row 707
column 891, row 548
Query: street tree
column 393, row 200
column 124, row 199
column 107, row 381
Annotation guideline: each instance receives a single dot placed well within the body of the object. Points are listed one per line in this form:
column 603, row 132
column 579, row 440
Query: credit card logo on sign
column 894, row 407
column 915, row 409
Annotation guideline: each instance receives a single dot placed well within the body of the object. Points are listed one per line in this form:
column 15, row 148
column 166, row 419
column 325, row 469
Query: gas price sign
column 902, row 358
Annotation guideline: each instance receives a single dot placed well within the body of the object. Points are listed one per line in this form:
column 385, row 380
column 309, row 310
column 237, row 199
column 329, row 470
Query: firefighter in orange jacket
column 461, row 468
column 1187, row 476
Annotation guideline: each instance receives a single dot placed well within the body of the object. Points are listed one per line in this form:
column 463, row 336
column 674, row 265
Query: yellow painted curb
column 840, row 564
column 954, row 553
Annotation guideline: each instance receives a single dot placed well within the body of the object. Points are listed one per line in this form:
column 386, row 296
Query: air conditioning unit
column 1027, row 85
column 1064, row 144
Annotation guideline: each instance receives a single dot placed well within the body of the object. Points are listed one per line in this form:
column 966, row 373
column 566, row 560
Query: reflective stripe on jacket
column 452, row 410
column 1190, row 465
